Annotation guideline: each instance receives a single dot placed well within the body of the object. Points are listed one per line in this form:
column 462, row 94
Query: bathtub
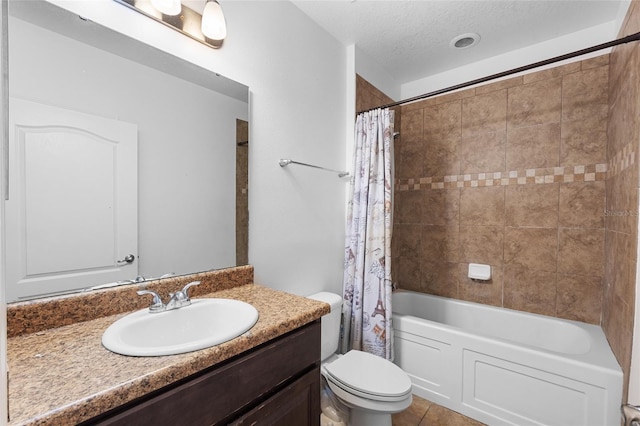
column 506, row 367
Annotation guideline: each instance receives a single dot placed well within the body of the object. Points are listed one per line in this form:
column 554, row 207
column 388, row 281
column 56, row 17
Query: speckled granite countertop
column 63, row 375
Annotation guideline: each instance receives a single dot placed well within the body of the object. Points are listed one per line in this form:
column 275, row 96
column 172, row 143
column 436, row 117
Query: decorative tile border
column 588, row 173
column 621, row 161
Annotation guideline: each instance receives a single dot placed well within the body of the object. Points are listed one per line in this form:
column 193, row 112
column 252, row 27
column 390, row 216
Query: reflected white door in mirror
column 72, row 212
column 186, row 137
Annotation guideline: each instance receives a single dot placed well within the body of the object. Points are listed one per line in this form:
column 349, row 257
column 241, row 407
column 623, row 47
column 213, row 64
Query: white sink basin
column 204, row 323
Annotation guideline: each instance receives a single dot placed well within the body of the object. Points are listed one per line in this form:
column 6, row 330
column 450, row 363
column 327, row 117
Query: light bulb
column 213, row 23
column 167, row 7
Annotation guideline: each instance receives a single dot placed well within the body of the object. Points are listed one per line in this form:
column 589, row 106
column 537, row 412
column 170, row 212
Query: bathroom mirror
column 192, row 147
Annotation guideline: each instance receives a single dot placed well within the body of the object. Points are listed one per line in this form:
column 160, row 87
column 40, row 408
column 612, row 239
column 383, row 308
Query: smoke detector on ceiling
column 465, row 40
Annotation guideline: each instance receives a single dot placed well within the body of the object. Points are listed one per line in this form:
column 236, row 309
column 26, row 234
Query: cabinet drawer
column 226, row 391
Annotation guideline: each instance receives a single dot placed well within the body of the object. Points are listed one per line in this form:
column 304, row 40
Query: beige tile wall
column 368, row 96
column 621, row 221
column 535, row 175
column 511, row 174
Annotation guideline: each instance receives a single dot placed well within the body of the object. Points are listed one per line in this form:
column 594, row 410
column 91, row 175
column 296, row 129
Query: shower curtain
column 367, row 264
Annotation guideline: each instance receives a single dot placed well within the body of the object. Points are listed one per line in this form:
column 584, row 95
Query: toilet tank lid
column 331, row 298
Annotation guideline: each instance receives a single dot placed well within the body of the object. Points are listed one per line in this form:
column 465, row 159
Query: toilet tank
column 330, row 323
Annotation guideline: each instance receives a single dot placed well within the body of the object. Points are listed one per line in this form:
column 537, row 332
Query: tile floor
column 426, row 413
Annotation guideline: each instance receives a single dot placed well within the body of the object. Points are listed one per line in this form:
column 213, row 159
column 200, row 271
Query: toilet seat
column 369, row 376
column 366, row 404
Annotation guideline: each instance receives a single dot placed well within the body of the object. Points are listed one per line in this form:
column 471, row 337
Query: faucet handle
column 156, row 303
column 185, row 289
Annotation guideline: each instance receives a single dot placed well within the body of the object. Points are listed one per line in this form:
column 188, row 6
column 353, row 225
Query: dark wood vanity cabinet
column 277, row 383
column 297, row 404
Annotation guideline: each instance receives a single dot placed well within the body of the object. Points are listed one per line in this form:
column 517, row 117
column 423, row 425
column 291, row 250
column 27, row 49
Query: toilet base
column 368, row 418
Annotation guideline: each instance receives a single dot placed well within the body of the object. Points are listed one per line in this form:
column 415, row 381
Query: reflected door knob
column 128, row 259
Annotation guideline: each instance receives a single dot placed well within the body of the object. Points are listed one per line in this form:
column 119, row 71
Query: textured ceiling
column 410, row 39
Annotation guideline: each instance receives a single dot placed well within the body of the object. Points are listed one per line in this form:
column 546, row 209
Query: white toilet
column 371, row 386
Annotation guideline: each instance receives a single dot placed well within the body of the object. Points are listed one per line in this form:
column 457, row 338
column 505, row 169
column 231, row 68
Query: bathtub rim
column 600, row 356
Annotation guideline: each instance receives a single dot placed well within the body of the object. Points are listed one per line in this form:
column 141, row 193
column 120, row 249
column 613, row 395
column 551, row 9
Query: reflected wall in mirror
column 242, row 192
column 187, row 140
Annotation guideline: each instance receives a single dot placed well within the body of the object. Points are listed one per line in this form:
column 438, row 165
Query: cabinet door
column 297, row 404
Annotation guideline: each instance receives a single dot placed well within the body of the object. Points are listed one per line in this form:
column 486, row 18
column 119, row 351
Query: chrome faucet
column 180, row 298
column 177, row 300
column 156, row 303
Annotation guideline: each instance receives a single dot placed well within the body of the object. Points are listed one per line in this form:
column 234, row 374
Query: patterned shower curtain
column 367, row 264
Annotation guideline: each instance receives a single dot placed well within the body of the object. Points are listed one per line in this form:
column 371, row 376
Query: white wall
column 295, row 72
column 517, row 58
column 296, row 215
column 186, row 142
column 376, row 75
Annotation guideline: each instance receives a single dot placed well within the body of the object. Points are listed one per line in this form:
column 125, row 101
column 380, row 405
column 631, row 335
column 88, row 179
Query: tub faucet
column 177, row 300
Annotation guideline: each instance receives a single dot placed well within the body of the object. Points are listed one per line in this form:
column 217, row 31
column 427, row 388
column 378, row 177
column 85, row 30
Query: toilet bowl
column 372, row 387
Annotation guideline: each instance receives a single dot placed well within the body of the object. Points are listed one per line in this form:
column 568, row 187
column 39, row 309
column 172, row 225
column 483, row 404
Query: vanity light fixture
column 167, row 7
column 209, row 28
column 214, row 25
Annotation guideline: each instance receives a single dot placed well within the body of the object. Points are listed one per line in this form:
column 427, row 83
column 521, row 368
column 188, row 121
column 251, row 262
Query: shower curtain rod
column 623, row 40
